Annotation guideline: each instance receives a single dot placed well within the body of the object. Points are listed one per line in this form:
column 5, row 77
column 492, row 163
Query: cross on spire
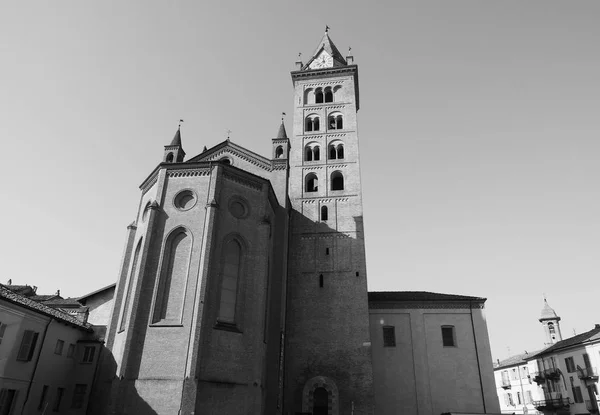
column 229, row 133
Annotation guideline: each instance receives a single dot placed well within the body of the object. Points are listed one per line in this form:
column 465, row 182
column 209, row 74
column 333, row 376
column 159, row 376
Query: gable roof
column 12, row 297
column 418, row 296
column 588, row 336
column 227, row 146
column 98, row 291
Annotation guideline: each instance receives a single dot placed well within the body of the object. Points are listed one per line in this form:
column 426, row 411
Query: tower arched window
column 324, row 213
column 335, row 121
column 328, row 94
column 279, row 152
column 312, row 123
column 337, row 93
column 311, row 183
column 169, row 158
column 309, row 96
column 312, row 152
column 308, row 154
column 232, row 263
column 319, row 95
column 337, row 180
column 316, row 153
column 551, row 328
column 336, row 150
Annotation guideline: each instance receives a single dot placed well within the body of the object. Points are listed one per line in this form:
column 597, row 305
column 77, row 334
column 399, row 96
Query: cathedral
column 243, row 284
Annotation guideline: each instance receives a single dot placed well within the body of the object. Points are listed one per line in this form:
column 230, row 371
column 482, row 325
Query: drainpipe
column 37, row 360
column 477, row 356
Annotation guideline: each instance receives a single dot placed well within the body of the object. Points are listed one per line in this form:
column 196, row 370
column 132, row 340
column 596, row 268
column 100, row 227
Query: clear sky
column 479, row 133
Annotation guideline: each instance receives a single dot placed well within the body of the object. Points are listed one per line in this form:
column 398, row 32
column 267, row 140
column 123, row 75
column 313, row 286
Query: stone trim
column 148, row 185
column 188, row 172
column 427, row 305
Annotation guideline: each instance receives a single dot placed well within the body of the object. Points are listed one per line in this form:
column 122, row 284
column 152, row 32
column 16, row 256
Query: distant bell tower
column 551, row 322
column 328, row 354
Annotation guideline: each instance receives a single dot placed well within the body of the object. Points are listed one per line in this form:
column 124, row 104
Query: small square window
column 58, row 349
column 448, row 336
column 389, row 336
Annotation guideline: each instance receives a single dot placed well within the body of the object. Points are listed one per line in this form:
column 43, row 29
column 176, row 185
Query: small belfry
column 551, row 323
column 174, row 152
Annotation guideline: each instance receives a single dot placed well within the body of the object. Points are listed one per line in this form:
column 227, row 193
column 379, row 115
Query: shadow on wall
column 102, row 398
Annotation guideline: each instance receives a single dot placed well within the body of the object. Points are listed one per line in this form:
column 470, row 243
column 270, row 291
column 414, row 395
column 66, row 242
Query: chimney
column 57, row 292
column 9, row 282
column 597, row 326
column 34, row 289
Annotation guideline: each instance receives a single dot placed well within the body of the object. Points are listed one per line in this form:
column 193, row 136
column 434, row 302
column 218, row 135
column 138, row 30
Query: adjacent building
column 558, row 379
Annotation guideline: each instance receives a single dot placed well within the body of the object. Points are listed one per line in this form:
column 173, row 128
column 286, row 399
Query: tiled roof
column 515, row 360
column 15, row 298
column 62, row 302
column 43, row 298
column 593, row 334
column 282, row 133
column 21, row 289
column 176, row 139
column 418, row 296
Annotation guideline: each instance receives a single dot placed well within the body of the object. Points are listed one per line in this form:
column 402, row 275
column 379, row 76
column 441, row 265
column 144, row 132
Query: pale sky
column 479, row 135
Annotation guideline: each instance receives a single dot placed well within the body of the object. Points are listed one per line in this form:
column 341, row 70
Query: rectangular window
column 448, row 337
column 513, row 374
column 78, row 395
column 524, row 372
column 570, row 364
column 7, row 401
column 577, row 395
column 59, row 347
column 510, row 400
column 88, row 354
column 586, row 360
column 389, row 336
column 71, row 350
column 27, row 345
column 59, row 395
column 2, row 330
column 518, row 398
column 43, row 398
column 528, row 397
column 505, row 380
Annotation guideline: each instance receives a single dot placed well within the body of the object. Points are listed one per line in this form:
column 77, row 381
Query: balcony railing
column 539, row 377
column 548, row 404
column 505, row 383
column 552, row 373
column 587, row 373
column 592, row 406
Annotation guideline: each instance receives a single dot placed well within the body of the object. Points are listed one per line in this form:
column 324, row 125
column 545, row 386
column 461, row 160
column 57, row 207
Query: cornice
column 425, row 305
column 189, row 172
column 318, row 73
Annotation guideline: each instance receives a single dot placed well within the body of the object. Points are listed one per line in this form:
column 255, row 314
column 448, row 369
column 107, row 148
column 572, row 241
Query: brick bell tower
column 328, row 355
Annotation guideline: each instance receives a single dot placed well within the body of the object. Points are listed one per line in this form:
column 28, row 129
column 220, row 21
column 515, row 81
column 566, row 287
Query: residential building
column 47, row 358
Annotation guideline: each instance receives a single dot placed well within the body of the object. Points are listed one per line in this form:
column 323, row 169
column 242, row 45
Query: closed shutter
column 25, row 345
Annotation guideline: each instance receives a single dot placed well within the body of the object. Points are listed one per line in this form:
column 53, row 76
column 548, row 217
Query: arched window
column 319, row 95
column 328, row 94
column 308, row 154
column 337, row 93
column 173, row 277
column 231, row 263
column 311, row 182
column 335, row 121
column 169, row 158
column 309, row 96
column 130, row 281
column 320, row 401
column 312, row 123
column 279, row 152
column 337, row 180
column 551, row 328
column 332, row 152
column 340, row 151
column 316, row 153
column 324, row 213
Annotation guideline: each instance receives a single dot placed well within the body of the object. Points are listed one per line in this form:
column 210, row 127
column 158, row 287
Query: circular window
column 238, row 208
column 185, row 200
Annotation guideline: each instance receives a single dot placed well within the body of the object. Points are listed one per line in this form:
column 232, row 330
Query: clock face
column 324, row 60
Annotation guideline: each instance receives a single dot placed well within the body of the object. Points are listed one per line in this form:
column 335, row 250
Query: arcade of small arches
column 335, row 121
column 322, row 95
column 312, row 151
column 311, row 182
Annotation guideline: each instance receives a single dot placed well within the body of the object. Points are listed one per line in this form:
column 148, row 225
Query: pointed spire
column 282, row 133
column 177, row 139
column 548, row 312
column 327, row 44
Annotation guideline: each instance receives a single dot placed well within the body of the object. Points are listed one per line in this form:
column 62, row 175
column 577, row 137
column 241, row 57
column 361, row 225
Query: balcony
column 592, row 406
column 538, row 377
column 553, row 373
column 587, row 373
column 505, row 383
column 551, row 404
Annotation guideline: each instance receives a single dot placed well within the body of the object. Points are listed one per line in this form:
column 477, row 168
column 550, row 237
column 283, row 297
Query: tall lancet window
column 232, row 262
column 173, row 277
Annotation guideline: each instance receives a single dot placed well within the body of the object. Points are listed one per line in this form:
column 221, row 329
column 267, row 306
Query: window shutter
column 2, row 330
column 25, row 345
column 32, row 347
